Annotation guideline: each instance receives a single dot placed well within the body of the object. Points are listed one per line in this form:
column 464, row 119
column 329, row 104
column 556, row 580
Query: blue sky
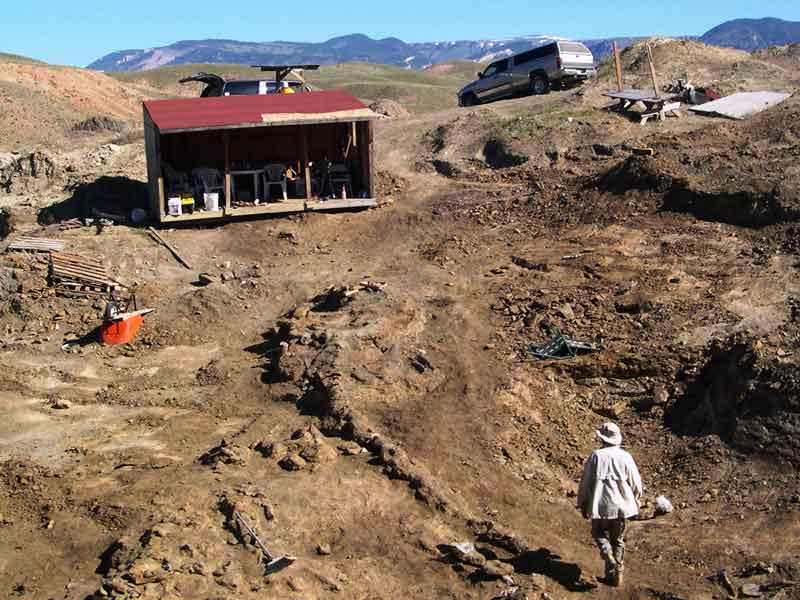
column 80, row 31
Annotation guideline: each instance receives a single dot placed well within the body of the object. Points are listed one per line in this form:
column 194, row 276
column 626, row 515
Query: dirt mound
column 390, row 184
column 469, row 145
column 742, row 173
column 20, row 173
column 726, row 69
column 389, row 108
column 99, row 124
column 634, row 173
column 497, row 154
column 747, row 397
column 757, row 206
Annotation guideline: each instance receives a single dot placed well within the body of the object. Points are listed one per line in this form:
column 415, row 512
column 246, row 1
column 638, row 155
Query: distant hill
column 753, row 34
column 16, row 58
column 350, row 48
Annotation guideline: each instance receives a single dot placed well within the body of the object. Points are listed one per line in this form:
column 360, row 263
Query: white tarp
column 741, row 105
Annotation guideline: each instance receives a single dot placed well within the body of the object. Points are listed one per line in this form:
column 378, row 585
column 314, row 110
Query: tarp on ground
column 741, row 105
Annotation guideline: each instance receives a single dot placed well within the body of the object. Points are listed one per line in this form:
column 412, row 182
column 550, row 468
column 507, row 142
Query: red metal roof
column 235, row 111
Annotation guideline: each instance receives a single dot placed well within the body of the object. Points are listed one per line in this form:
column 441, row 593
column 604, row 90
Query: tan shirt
column 610, row 486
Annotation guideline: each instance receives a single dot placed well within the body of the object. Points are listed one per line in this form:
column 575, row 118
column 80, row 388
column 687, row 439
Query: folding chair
column 274, row 176
column 340, row 178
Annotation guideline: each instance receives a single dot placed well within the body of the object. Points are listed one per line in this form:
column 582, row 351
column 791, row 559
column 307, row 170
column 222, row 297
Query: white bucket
column 211, row 201
column 174, row 206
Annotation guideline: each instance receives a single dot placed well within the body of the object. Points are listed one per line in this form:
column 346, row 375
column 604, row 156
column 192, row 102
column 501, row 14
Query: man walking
column 609, row 495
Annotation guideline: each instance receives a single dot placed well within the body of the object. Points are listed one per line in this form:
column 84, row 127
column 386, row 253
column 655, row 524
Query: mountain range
column 747, row 34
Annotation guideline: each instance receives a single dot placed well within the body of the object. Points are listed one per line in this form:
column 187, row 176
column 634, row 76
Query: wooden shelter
column 322, row 140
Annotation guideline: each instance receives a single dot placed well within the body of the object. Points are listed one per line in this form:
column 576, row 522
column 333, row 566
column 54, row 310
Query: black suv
column 217, row 86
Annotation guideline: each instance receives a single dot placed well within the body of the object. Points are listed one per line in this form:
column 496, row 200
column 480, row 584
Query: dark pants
column 609, row 535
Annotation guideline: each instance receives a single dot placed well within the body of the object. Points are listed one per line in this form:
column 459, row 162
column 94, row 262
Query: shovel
column 273, row 564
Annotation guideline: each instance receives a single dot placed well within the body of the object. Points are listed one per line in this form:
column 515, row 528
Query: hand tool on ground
column 273, row 564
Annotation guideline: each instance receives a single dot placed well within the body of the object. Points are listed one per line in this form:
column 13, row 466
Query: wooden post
column 370, row 158
column 653, row 71
column 226, row 143
column 305, row 162
column 618, row 67
column 162, row 196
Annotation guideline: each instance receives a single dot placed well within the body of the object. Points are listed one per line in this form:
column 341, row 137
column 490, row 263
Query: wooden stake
column 653, row 71
column 618, row 67
column 154, row 234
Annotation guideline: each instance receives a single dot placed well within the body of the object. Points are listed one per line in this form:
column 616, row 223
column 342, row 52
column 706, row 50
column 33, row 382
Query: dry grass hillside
column 418, row 91
column 41, row 104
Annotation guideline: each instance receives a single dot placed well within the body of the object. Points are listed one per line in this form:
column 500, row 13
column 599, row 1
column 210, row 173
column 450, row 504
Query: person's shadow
column 544, row 562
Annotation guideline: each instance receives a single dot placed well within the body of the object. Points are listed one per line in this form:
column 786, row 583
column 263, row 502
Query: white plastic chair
column 274, row 176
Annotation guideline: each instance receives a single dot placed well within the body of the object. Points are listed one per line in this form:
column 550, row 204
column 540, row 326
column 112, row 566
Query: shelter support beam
column 226, row 143
column 306, row 164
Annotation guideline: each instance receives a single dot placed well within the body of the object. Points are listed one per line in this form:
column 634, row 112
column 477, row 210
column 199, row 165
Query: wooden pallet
column 26, row 243
column 76, row 274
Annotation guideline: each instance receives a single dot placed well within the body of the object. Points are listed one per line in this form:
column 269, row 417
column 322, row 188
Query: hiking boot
column 616, row 579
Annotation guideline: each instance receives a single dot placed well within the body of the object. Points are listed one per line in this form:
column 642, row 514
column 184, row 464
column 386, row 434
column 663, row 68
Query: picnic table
column 655, row 106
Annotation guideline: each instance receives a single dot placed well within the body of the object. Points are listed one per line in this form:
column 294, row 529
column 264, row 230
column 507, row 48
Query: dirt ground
column 362, row 392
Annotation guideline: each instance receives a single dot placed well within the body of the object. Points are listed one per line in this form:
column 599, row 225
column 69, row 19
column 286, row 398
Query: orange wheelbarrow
column 122, row 328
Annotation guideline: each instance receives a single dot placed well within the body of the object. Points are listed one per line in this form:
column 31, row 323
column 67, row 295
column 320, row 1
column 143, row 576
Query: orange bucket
column 122, row 331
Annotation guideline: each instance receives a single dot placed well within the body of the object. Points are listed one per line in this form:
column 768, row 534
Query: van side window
column 493, row 69
column 241, row 88
column 535, row 53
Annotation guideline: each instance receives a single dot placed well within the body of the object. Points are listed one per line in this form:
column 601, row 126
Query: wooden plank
column 618, row 67
column 72, row 274
column 36, row 244
column 37, row 240
column 76, row 259
column 151, row 153
column 288, row 206
column 653, row 71
column 67, row 260
column 342, row 204
column 371, row 159
column 204, row 215
column 154, row 234
column 73, row 270
column 66, row 263
column 306, row 163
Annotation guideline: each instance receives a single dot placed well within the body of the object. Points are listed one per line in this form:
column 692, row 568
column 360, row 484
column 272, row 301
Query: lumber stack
column 73, row 274
column 26, row 243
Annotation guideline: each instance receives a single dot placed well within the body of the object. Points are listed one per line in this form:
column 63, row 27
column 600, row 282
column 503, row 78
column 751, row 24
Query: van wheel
column 540, row 84
column 469, row 100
